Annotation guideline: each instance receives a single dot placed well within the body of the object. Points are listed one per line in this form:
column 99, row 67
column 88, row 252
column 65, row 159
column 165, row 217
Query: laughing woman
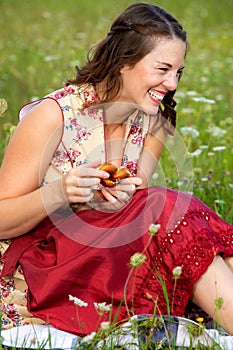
column 75, row 200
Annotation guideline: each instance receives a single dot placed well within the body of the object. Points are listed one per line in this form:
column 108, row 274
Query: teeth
column 156, row 95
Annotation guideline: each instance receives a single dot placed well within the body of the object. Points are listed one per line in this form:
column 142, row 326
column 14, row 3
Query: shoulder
column 45, row 111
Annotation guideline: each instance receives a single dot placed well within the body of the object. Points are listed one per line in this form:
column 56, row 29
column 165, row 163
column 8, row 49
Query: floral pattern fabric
column 82, row 127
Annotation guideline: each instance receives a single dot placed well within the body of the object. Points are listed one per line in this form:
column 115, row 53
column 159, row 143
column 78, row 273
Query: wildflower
column 177, row 271
column 154, row 228
column 3, row 106
column 219, row 97
column 189, row 131
column 105, row 325
column 187, row 110
column 191, row 93
column 101, row 308
column 89, row 338
column 180, row 183
column 204, row 179
column 204, row 99
column 155, row 176
column 219, row 148
column 194, row 154
column 215, row 131
column 210, row 154
column 78, row 301
column 200, row 319
column 137, row 259
column 219, row 201
column 226, row 122
column 51, row 58
column 180, row 94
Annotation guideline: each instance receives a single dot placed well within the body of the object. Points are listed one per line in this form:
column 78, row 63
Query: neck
column 117, row 111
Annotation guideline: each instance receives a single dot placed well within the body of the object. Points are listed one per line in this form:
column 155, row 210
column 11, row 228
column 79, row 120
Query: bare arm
column 26, row 160
column 149, row 157
column 23, row 203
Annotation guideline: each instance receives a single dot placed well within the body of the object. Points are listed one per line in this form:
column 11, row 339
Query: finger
column 137, row 181
column 75, row 191
column 108, row 195
column 71, row 180
column 79, row 198
column 91, row 172
column 129, row 188
column 122, row 196
column 87, row 181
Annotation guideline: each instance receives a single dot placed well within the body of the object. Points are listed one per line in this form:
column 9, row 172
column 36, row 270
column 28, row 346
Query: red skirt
column 88, row 255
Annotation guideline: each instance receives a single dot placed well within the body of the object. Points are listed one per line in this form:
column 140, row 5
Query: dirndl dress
column 89, row 266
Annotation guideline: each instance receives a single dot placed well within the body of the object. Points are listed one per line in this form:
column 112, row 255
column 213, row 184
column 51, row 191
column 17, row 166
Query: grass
column 41, row 42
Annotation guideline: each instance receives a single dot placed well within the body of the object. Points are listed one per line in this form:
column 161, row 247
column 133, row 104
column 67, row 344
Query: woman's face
column 146, row 83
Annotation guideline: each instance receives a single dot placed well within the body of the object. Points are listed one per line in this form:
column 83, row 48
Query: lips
column 156, row 95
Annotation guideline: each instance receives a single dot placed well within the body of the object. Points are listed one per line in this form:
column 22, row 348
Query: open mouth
column 156, row 95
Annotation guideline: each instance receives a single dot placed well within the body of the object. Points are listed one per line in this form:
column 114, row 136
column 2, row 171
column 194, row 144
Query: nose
column 171, row 80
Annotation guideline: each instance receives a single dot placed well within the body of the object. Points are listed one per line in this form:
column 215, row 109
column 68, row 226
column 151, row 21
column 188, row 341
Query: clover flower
column 101, row 308
column 78, row 301
column 177, row 271
column 137, row 259
column 154, row 228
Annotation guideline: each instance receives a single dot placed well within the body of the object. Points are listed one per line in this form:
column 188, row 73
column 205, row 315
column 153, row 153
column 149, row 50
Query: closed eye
column 180, row 72
column 163, row 69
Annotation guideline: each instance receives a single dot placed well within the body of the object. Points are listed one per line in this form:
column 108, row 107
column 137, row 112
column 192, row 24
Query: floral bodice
column 83, row 137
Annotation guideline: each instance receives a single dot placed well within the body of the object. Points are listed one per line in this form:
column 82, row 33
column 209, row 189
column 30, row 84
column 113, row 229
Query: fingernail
column 106, row 175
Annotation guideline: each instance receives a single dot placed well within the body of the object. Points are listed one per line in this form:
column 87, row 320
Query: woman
column 104, row 252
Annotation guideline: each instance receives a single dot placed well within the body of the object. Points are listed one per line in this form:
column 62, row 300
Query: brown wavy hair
column 132, row 36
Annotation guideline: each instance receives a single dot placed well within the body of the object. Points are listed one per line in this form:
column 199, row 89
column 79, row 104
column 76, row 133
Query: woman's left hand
column 116, row 197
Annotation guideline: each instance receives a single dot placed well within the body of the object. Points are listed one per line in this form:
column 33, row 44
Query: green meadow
column 42, row 41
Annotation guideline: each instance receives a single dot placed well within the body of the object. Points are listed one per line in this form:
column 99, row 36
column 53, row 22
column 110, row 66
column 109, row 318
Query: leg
column 216, row 284
column 229, row 261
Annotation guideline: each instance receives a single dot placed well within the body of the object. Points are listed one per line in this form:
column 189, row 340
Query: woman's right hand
column 78, row 183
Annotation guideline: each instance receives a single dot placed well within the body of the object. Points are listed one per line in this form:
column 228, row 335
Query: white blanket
column 34, row 336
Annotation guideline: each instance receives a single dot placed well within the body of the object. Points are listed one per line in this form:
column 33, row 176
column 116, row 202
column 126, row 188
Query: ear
column 124, row 68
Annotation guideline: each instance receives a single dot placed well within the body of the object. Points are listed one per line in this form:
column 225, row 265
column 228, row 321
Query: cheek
column 148, row 76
